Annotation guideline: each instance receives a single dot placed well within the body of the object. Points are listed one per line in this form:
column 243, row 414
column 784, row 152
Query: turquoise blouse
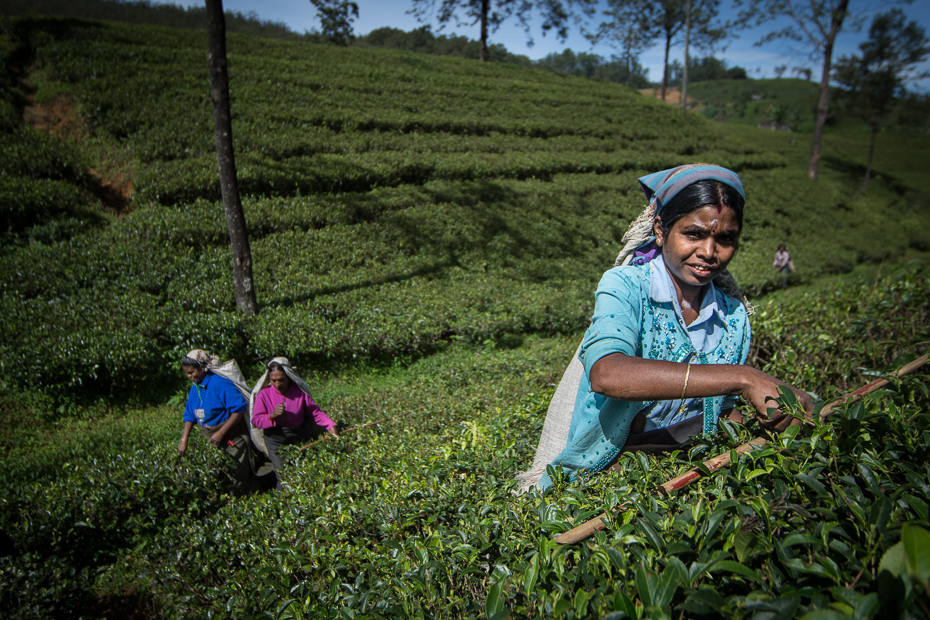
column 634, row 315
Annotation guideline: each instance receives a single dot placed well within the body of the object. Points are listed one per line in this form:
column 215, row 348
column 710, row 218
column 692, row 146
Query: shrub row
column 415, row 517
column 371, row 239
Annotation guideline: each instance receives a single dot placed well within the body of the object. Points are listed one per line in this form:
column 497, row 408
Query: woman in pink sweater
column 286, row 413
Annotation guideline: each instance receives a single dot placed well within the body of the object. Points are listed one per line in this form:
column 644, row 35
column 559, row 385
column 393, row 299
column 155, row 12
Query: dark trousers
column 280, row 436
column 238, row 446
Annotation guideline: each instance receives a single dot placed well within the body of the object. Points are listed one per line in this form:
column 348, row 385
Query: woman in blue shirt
column 214, row 403
column 665, row 350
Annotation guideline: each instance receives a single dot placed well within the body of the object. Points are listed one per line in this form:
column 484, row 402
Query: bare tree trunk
column 222, row 134
column 684, row 78
column 629, row 68
column 483, row 44
column 836, row 22
column 868, row 166
column 668, row 43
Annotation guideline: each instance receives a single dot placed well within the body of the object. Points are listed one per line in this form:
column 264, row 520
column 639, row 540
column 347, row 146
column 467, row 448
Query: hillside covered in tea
column 427, row 233
column 394, row 201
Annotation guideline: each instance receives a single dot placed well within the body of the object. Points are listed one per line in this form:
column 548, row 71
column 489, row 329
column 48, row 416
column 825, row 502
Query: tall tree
column 222, row 135
column 684, row 78
column 629, row 26
column 555, row 14
column 336, row 18
column 876, row 76
column 815, row 23
column 672, row 17
column 803, row 72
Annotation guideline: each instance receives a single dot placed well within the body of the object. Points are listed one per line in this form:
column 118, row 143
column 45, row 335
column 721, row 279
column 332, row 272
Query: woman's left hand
column 332, row 431
column 217, row 438
column 762, row 389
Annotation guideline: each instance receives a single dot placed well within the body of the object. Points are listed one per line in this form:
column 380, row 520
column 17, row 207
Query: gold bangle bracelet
column 684, row 389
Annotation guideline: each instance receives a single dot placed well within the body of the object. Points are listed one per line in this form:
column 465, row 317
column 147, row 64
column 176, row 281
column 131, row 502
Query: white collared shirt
column 705, row 333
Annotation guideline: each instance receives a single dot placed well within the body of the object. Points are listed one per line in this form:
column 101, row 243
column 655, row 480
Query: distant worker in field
column 216, row 404
column 783, row 264
column 283, row 411
column 663, row 357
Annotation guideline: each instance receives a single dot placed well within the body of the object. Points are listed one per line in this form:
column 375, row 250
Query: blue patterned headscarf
column 660, row 187
column 664, row 185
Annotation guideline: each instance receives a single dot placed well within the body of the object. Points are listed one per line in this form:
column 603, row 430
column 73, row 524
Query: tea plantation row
column 415, row 517
column 395, row 202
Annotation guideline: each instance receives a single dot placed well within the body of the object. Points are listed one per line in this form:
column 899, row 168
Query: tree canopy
column 336, row 19
column 556, row 14
column 814, row 23
column 887, row 60
column 629, row 26
column 618, row 69
column 706, row 29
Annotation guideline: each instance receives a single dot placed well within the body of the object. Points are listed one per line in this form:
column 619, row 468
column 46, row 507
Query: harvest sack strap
column 258, row 437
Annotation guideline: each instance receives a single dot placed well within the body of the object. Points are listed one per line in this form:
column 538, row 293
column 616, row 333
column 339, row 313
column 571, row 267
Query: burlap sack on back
column 558, row 421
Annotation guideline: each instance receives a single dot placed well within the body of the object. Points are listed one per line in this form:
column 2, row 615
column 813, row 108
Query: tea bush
column 415, row 517
column 394, row 201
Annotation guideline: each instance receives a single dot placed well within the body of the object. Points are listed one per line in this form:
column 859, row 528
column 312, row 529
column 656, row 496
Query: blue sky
column 300, row 15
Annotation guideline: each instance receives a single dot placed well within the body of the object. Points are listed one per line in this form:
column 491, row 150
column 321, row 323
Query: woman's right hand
column 759, row 391
column 277, row 413
column 182, row 446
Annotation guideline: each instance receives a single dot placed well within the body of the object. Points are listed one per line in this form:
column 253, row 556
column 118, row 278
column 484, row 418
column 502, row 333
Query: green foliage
column 704, row 69
column 873, row 321
column 415, row 517
column 423, row 40
column 336, row 18
column 491, row 194
column 753, row 101
column 596, row 67
column 886, row 62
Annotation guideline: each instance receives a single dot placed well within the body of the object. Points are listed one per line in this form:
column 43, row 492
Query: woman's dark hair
column 275, row 366
column 189, row 363
column 697, row 195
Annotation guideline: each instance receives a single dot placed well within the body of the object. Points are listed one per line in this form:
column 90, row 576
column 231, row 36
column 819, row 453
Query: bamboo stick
column 359, row 427
column 590, row 526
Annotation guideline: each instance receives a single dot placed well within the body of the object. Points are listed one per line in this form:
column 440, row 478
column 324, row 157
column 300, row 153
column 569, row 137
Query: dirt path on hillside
column 672, row 95
column 59, row 118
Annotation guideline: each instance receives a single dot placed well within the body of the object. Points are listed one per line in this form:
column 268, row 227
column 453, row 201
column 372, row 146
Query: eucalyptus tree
column 814, row 23
column 223, row 138
column 875, row 78
column 556, row 15
column 804, row 72
column 701, row 22
column 336, row 18
column 628, row 26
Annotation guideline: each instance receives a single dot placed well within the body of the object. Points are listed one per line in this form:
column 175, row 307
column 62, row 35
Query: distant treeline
column 597, row 67
column 703, row 69
column 422, row 40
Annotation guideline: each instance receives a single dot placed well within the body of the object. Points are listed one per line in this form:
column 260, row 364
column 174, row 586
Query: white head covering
column 228, row 370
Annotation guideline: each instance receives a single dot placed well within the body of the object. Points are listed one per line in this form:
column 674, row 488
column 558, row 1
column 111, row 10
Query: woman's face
column 196, row 375
column 700, row 245
column 279, row 380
